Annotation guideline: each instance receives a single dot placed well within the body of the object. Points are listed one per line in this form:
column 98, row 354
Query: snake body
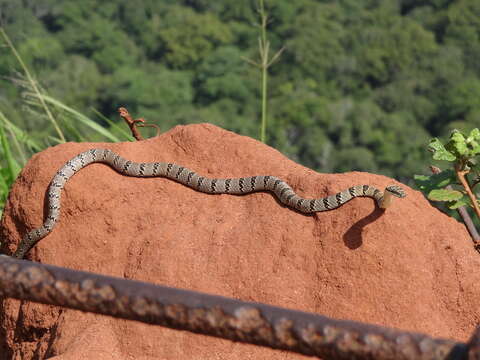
column 237, row 186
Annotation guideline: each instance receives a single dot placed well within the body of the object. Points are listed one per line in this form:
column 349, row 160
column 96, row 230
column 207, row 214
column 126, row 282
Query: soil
column 409, row 267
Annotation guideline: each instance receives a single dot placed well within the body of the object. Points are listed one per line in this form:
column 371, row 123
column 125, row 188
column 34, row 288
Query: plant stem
column 264, row 45
column 264, row 64
column 463, row 180
column 463, row 212
column 264, row 105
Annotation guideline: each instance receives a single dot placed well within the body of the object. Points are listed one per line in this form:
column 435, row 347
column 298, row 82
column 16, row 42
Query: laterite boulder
column 409, row 267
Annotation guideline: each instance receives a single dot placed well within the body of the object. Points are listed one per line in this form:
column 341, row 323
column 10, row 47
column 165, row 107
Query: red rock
column 411, row 267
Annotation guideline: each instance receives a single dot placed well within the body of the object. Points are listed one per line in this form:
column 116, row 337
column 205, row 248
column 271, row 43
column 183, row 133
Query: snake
column 185, row 176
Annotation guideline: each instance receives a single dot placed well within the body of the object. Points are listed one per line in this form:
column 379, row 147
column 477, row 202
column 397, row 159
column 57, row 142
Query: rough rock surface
column 411, row 267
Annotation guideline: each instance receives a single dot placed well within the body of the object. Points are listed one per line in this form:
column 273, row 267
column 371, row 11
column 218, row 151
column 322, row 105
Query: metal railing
column 248, row 322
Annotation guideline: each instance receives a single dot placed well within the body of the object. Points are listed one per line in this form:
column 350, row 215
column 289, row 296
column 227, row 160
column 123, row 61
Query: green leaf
column 427, row 183
column 422, row 182
column 464, row 201
column 475, row 150
column 421, row 177
column 473, row 142
column 474, row 135
column 457, row 144
column 444, row 195
column 439, row 151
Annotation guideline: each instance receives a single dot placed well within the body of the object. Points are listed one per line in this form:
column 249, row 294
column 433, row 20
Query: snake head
column 396, row 191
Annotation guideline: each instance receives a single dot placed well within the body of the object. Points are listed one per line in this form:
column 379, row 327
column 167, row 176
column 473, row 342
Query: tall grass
column 32, row 83
column 68, row 124
column 264, row 64
column 9, row 172
column 17, row 145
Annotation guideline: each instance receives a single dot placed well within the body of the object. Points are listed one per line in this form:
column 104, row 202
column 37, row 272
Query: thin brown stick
column 134, row 123
column 131, row 122
column 462, row 211
column 463, row 180
column 149, row 125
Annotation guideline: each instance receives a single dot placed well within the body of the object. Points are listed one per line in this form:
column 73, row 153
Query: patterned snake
column 238, row 186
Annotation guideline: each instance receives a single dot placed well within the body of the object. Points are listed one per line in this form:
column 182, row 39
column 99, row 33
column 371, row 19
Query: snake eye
column 396, row 190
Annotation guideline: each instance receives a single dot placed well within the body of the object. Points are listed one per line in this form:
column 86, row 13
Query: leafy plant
column 454, row 186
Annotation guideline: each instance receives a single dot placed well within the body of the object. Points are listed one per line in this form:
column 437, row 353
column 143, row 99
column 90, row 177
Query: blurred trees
column 362, row 85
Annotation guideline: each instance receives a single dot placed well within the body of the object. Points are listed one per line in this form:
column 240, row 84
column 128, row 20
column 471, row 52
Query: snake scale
column 237, row 186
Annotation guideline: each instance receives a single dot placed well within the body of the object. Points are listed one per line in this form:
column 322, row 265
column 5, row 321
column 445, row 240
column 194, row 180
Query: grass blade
column 121, row 130
column 32, row 83
column 13, row 168
column 82, row 118
column 19, row 134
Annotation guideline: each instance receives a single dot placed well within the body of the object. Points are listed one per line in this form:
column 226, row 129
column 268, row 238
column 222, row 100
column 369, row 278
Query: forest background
column 362, row 84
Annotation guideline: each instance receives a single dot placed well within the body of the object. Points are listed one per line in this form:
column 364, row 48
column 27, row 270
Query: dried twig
column 133, row 123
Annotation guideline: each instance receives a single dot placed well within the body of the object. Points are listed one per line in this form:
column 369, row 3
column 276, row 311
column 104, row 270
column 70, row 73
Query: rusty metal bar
column 474, row 345
column 248, row 322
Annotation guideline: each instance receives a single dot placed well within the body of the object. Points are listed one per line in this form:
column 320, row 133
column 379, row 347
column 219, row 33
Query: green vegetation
column 461, row 151
column 361, row 85
column 455, row 186
column 24, row 143
column 264, row 63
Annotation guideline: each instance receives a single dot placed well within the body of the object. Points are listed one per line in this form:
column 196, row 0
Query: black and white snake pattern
column 237, row 186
